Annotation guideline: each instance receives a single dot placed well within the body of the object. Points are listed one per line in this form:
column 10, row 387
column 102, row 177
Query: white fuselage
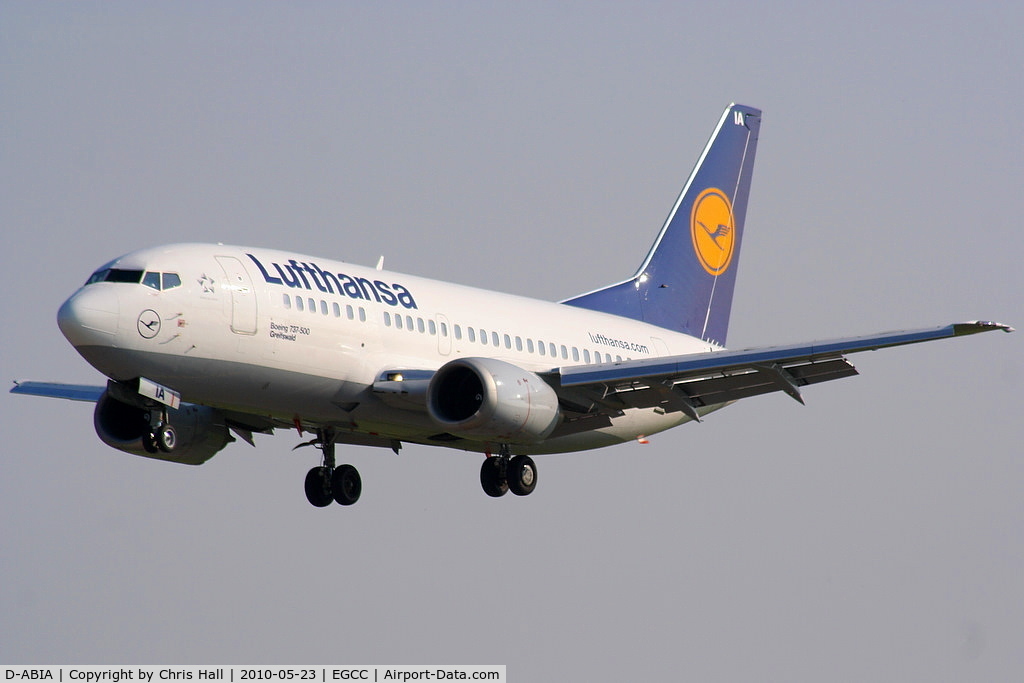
column 302, row 339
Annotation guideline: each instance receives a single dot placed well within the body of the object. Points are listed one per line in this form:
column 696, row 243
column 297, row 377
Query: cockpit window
column 118, row 275
column 155, row 280
column 115, row 275
column 151, row 280
column 98, row 276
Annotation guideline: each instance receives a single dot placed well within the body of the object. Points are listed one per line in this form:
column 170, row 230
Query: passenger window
column 542, row 348
column 519, row 343
column 152, row 280
column 432, row 327
column 171, row 280
column 409, row 324
column 323, row 307
column 419, row 325
column 349, row 312
column 471, row 333
column 586, row 355
column 565, row 353
column 483, row 337
column 529, row 345
column 362, row 314
column 494, row 338
column 444, row 329
column 336, row 309
column 398, row 321
column 298, row 303
column 458, row 331
column 575, row 354
column 508, row 342
column 387, row 319
column 287, row 301
column 312, row 305
column 551, row 347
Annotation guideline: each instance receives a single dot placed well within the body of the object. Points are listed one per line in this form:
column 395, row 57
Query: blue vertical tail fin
column 686, row 282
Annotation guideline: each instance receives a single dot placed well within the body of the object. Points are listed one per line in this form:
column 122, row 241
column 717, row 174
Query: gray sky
column 875, row 534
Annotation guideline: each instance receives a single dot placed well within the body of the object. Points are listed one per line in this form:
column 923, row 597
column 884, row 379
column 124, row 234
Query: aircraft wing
column 242, row 424
column 74, row 392
column 690, row 382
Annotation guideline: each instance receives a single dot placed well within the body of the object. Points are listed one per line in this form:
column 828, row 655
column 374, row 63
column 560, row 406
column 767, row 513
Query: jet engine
column 490, row 400
column 201, row 431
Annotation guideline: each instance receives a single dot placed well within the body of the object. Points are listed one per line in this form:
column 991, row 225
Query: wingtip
column 976, row 326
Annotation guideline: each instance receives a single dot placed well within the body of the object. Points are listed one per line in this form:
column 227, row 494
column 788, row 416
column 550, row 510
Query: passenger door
column 243, row 299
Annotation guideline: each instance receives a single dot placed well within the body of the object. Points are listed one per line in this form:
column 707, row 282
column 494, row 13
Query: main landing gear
column 505, row 472
column 341, row 484
column 327, row 483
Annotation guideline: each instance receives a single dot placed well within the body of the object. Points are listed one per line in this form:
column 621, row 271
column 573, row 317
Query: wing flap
column 755, row 381
column 822, row 371
column 715, row 389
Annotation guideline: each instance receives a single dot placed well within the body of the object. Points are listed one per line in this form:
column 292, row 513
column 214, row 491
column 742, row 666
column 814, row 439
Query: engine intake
column 201, row 430
column 490, row 400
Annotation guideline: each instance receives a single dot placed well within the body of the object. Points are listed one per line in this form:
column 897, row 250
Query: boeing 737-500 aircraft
column 202, row 343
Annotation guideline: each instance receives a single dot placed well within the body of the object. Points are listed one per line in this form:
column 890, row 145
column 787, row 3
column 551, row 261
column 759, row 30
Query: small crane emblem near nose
column 149, row 324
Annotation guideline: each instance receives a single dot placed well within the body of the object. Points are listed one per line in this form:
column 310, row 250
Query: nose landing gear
column 161, row 437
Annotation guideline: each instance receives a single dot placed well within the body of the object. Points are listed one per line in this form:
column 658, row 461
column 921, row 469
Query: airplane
column 205, row 343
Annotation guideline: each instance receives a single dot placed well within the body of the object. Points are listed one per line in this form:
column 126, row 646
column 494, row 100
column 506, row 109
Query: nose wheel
column 161, row 438
column 166, row 438
column 327, row 483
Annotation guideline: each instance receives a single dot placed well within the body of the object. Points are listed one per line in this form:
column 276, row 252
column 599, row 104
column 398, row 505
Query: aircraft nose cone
column 89, row 316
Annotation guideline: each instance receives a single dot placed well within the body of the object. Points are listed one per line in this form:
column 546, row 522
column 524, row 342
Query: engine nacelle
column 490, row 400
column 200, row 430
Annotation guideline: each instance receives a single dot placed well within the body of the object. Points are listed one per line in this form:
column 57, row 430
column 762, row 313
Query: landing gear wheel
column 522, row 475
column 166, row 438
column 149, row 443
column 492, row 479
column 346, row 485
column 318, row 487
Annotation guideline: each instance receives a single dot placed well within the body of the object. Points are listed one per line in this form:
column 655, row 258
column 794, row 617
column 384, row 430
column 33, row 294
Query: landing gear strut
column 327, row 483
column 505, row 472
